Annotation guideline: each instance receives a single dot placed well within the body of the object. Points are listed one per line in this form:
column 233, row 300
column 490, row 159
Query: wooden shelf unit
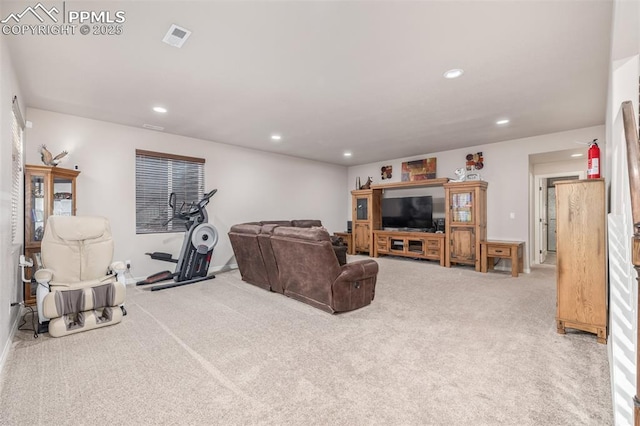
column 414, row 184
column 419, row 245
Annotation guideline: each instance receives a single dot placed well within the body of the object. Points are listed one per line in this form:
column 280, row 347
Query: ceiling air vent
column 176, row 36
column 152, row 127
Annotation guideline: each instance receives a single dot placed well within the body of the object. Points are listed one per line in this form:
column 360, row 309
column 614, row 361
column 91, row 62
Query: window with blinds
column 17, row 128
column 158, row 175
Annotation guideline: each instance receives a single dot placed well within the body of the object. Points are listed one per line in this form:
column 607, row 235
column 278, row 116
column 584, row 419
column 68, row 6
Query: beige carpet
column 437, row 346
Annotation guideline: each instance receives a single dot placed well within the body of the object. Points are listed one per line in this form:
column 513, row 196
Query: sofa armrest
column 355, row 287
column 358, row 270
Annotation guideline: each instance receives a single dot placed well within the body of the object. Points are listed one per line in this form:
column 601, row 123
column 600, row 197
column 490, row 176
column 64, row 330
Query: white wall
column 10, row 287
column 506, row 169
column 251, row 185
column 623, row 299
column 561, row 167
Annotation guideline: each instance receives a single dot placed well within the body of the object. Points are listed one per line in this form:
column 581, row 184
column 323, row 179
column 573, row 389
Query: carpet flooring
column 437, row 346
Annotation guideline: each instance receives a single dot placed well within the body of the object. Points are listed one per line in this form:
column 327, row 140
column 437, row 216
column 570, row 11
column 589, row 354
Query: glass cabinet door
column 362, row 207
column 462, row 207
column 62, row 196
column 38, row 206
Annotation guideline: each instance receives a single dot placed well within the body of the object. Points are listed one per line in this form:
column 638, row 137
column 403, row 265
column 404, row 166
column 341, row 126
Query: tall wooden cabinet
column 366, row 217
column 581, row 257
column 47, row 191
column 466, row 221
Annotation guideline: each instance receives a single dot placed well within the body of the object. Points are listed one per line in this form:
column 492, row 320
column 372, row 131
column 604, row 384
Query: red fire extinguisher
column 593, row 167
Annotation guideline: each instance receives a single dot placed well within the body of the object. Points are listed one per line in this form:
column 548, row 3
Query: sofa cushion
column 247, row 228
column 276, row 222
column 306, row 223
column 309, row 234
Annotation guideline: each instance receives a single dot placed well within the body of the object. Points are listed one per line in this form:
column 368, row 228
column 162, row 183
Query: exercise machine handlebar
column 194, row 209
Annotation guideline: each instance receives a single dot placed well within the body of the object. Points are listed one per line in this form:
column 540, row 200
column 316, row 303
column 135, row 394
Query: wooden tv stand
column 420, row 245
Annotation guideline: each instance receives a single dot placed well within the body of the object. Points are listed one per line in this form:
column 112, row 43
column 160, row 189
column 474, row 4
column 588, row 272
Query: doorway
column 547, row 168
column 548, row 218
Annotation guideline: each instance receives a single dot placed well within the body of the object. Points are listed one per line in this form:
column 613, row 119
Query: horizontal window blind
column 17, row 128
column 158, row 175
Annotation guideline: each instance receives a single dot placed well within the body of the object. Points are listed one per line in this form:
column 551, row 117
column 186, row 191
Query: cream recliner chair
column 79, row 288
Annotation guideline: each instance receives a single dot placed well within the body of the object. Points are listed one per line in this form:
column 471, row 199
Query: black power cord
column 24, row 320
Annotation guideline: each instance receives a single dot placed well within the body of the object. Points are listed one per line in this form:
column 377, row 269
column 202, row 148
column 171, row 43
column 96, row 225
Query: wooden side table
column 346, row 237
column 504, row 250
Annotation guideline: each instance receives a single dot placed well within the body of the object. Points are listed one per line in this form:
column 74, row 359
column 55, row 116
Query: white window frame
column 17, row 136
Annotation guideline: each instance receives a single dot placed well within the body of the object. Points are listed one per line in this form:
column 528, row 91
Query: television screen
column 408, row 212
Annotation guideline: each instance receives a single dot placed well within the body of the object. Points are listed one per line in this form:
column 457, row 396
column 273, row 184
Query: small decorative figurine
column 460, row 175
column 367, row 185
column 48, row 159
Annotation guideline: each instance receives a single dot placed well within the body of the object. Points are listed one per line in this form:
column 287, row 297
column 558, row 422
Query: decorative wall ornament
column 419, row 170
column 386, row 172
column 475, row 161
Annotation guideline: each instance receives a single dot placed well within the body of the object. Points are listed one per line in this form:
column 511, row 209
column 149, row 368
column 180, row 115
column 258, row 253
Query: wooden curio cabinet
column 47, row 191
column 366, row 218
column 466, row 221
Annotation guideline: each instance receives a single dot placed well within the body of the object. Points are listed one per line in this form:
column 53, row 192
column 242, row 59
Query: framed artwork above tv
column 419, row 170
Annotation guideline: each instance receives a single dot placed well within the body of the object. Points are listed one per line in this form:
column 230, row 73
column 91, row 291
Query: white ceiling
column 330, row 76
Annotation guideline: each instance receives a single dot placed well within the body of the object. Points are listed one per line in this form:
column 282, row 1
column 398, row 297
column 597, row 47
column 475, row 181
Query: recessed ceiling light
column 454, row 73
column 276, row 137
column 505, row 121
column 160, row 109
column 577, row 155
column 347, row 154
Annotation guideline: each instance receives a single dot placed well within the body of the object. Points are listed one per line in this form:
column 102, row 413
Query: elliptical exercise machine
column 197, row 247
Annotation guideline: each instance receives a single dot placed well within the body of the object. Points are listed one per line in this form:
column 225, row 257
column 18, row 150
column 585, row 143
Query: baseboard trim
column 8, row 345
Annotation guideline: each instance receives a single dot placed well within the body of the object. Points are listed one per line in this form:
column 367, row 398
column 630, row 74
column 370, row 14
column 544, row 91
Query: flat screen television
column 408, row 213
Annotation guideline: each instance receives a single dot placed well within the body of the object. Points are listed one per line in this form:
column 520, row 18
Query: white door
column 542, row 193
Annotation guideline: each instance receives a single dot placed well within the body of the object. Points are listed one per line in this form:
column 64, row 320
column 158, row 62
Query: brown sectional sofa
column 298, row 259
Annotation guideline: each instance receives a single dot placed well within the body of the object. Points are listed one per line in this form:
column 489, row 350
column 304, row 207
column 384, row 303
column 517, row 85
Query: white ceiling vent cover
column 176, row 36
column 152, row 127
